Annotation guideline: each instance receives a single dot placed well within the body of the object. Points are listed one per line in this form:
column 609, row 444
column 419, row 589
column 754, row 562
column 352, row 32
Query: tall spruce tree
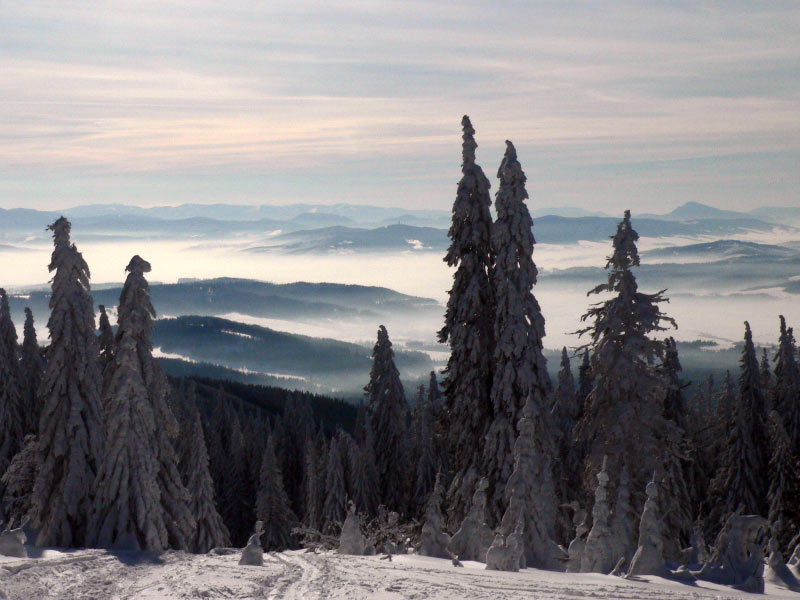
column 31, row 371
column 530, row 493
column 468, row 327
column 313, row 485
column 387, row 402
column 18, row 480
column 127, row 512
column 786, row 393
column 427, row 461
column 520, row 369
column 12, row 414
column 70, row 427
column 236, row 507
column 783, row 494
column 585, row 379
column 363, row 475
column 566, row 411
column 272, row 504
column 136, row 309
column 622, row 416
column 334, row 507
column 674, row 400
column 742, row 479
column 210, row 531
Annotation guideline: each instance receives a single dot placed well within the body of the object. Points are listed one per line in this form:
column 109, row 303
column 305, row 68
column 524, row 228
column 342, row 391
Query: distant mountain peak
column 697, row 210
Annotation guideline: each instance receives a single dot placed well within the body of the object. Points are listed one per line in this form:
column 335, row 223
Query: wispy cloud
column 618, row 104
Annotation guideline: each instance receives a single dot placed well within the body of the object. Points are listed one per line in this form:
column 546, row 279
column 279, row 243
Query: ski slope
column 102, row 575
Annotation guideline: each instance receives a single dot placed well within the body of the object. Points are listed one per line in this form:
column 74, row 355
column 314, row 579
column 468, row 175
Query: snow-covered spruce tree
column 387, row 402
column 334, row 507
column 468, row 328
column 585, row 379
column 210, row 531
column 364, row 476
column 297, row 427
column 649, row 557
column 70, row 427
column 786, row 393
column 236, row 507
column 434, row 394
column 31, row 371
column 675, row 500
column 726, row 404
column 530, row 494
column 701, row 441
column 427, row 460
column 433, row 540
column 742, row 478
column 784, row 486
column 312, row 482
column 218, row 432
column 565, row 412
column 623, row 521
column 272, row 505
column 12, row 416
column 674, row 401
column 127, row 512
column 520, row 369
column 137, row 313
column 598, row 554
column 18, row 480
column 622, row 415
column 105, row 339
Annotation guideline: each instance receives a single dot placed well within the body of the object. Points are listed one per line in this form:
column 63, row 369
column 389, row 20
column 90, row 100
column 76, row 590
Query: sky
column 611, row 105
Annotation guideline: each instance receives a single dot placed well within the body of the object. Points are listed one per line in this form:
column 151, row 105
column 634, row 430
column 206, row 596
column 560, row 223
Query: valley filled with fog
column 719, row 270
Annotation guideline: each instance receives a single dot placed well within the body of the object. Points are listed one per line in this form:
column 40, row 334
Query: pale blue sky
column 610, row 104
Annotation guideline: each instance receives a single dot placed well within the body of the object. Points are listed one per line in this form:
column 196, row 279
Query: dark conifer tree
column 389, row 411
column 70, row 427
column 31, row 370
column 468, row 327
column 623, row 416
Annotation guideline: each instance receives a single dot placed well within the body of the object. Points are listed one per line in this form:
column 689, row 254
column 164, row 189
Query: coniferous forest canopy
column 604, row 461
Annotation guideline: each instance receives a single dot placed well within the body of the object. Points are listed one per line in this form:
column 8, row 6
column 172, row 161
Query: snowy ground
column 100, row 575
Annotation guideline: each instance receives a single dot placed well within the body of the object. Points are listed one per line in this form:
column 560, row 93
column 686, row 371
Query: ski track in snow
column 297, row 575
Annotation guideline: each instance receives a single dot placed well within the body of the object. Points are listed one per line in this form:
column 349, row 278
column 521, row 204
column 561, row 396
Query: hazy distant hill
column 724, row 249
column 692, row 211
column 778, row 214
column 548, row 229
column 308, row 228
column 346, row 239
column 724, row 266
column 292, row 301
column 332, row 364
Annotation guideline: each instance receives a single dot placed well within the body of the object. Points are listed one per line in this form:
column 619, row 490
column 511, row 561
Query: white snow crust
column 171, row 575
